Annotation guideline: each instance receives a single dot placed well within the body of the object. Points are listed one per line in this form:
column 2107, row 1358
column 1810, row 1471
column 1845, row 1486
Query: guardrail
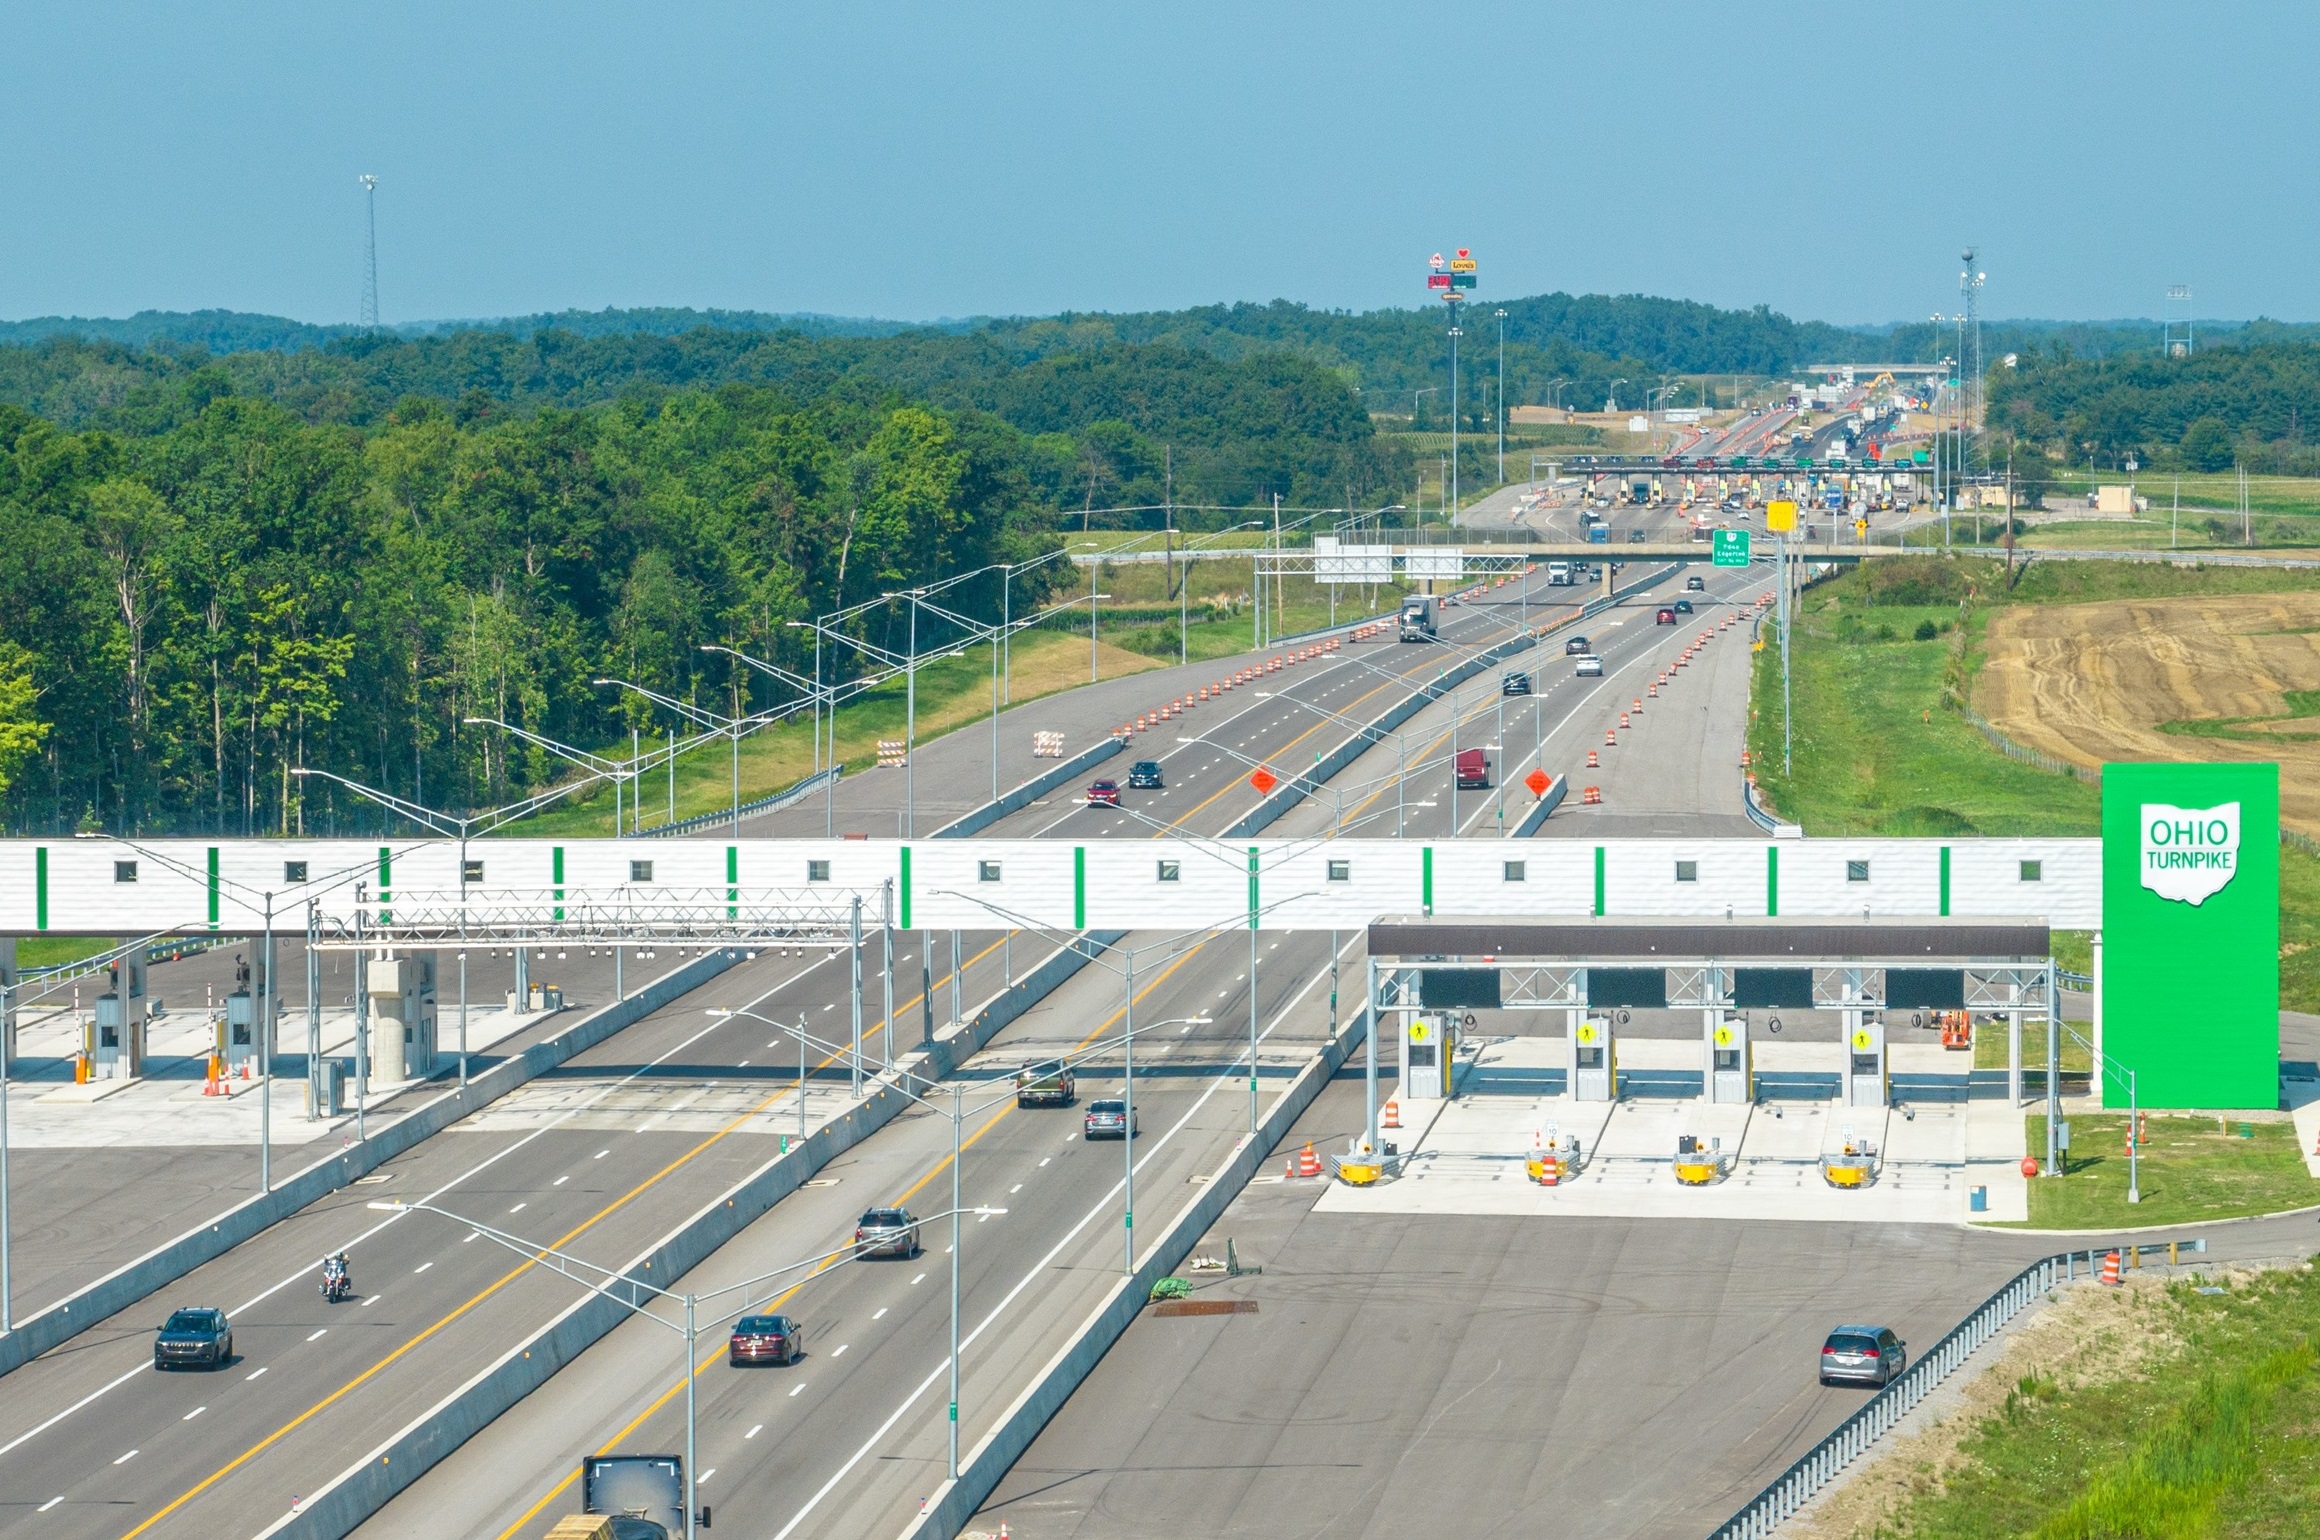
column 1557, row 789
column 1820, row 1466
column 155, row 952
column 772, row 804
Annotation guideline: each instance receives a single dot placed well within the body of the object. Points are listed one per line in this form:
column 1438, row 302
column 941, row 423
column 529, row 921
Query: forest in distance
column 188, row 614
column 215, row 568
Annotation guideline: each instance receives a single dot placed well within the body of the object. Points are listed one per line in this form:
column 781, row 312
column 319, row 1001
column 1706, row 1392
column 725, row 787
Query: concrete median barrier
column 980, row 1472
column 1030, row 791
column 362, row 1489
column 214, row 1237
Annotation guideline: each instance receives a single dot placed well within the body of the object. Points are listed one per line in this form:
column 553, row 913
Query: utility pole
column 1450, row 510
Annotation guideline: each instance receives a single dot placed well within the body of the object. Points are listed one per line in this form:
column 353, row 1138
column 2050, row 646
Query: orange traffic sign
column 1264, row 781
column 1538, row 781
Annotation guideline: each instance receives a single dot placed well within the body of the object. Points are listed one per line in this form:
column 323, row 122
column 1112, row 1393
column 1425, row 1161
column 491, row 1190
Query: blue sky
column 915, row 160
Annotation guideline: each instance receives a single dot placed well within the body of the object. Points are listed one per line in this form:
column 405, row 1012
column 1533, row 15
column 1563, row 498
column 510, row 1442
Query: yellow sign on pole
column 1860, row 529
column 1780, row 517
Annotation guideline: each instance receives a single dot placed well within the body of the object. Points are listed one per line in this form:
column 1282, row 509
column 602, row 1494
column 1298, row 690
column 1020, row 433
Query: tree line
column 213, row 571
column 2255, row 403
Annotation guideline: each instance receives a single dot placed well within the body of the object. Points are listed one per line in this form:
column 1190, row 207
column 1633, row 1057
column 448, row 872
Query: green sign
column 2191, row 934
column 1731, row 548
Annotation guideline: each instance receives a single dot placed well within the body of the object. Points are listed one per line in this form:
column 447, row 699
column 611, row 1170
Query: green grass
column 1881, row 749
column 2190, row 1170
column 2218, row 1438
column 49, row 951
column 2293, row 495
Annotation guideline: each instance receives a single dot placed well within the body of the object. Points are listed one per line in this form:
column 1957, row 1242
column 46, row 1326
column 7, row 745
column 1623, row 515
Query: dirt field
column 2091, row 683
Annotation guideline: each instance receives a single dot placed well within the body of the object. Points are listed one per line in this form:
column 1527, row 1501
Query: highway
column 599, row 1156
column 853, row 1437
column 1424, row 1374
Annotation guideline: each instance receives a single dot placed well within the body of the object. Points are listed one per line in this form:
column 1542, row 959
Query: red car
column 1103, row 794
column 1666, row 616
column 765, row 1339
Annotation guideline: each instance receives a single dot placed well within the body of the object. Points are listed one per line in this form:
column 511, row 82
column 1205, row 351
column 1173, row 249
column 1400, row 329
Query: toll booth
column 1594, row 1060
column 1866, row 1081
column 1429, row 1055
column 402, row 1011
column 1731, row 1065
column 115, row 1035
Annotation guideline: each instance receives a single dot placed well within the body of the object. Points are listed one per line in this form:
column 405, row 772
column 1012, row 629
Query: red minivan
column 1473, row 770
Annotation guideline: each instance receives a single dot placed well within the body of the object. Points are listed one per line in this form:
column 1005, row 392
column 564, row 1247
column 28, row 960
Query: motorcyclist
column 336, row 1278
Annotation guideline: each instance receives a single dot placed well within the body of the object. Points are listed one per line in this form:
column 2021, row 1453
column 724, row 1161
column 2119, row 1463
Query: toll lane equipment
column 1853, row 1167
column 1698, row 1164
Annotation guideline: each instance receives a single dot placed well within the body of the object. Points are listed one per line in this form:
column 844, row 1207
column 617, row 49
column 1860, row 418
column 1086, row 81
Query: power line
column 370, row 287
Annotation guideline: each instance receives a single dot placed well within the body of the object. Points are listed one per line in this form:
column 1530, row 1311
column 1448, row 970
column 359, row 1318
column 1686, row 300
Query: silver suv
column 887, row 1232
column 1862, row 1355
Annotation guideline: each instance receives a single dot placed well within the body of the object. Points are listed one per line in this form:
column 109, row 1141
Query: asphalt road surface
column 1405, row 1375
column 601, row 1157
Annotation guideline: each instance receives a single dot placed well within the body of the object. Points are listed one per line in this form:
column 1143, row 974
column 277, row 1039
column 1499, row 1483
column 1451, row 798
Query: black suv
column 199, row 1335
column 1144, row 774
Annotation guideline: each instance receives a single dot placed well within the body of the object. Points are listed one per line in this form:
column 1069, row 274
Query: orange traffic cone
column 1594, row 759
column 1393, row 1118
column 2110, row 1272
column 1308, row 1163
column 1610, row 738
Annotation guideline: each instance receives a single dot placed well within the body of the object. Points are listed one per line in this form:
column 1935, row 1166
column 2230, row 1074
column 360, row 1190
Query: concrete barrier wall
column 1557, row 789
column 124, row 1286
column 365, row 1487
column 1029, row 792
column 1303, row 785
column 989, row 1461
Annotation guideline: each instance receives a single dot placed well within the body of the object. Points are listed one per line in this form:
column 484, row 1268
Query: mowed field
column 2225, row 678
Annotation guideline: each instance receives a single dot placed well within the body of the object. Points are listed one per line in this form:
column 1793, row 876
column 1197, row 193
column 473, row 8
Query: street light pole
column 1502, row 396
column 1128, row 1123
column 957, row 1118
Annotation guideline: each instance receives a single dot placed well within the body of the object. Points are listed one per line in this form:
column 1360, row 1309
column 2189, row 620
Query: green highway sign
column 1731, row 548
column 2191, row 934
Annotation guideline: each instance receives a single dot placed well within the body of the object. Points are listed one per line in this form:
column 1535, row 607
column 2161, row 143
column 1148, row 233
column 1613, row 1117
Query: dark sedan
column 1575, row 646
column 200, row 1335
column 1108, row 1120
column 1517, row 683
column 1145, row 775
column 1683, row 606
column 765, row 1339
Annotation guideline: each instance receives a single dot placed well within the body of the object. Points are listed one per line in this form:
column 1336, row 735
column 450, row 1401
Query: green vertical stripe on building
column 1598, row 881
column 902, row 888
column 733, row 882
column 1426, row 878
column 1252, row 887
column 1945, row 882
column 1079, row 887
column 40, row 888
column 213, row 887
column 556, row 877
column 386, row 879
column 1772, row 881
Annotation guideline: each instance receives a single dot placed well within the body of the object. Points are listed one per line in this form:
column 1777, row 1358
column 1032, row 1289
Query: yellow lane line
column 622, row 1201
column 783, row 1298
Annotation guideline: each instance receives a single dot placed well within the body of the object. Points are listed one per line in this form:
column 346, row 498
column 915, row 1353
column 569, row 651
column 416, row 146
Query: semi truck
column 629, row 1497
column 1418, row 617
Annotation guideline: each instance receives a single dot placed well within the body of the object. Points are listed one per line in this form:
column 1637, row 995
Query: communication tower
column 2175, row 328
column 1970, row 280
column 370, row 287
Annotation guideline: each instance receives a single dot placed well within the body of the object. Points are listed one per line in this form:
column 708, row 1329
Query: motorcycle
column 337, row 1283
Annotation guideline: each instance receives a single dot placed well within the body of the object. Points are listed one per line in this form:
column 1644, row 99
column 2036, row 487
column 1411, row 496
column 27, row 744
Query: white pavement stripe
column 1102, row 1206
column 490, row 1160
